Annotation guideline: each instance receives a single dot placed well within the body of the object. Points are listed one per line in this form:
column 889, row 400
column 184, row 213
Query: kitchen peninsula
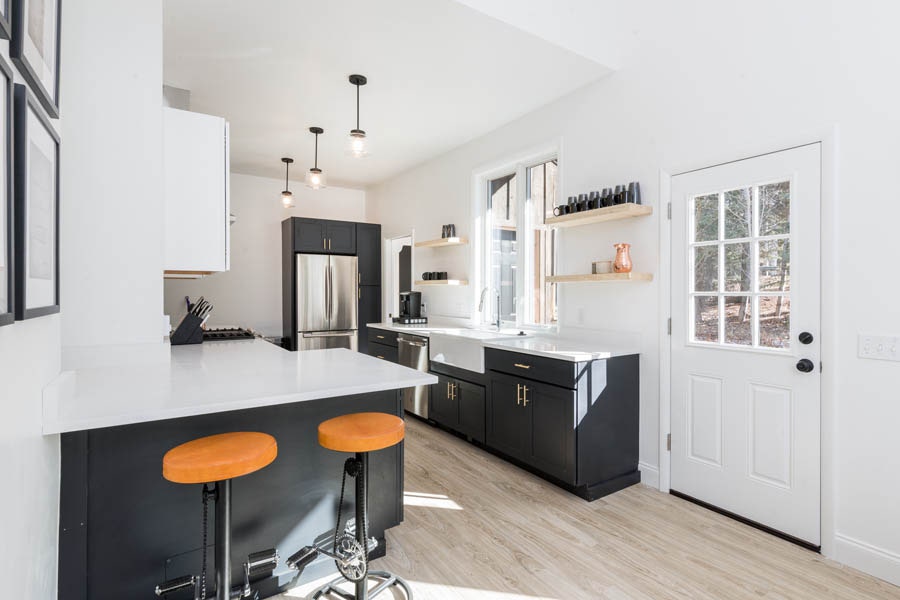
column 119, row 411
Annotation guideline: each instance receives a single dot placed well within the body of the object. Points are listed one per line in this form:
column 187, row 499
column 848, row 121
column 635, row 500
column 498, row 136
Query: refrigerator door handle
column 327, row 295
column 327, row 334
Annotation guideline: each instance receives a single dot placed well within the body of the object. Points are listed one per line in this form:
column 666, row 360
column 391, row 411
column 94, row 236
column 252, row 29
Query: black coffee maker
column 410, row 309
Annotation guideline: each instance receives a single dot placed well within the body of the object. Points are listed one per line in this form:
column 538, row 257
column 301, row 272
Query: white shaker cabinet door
column 196, row 170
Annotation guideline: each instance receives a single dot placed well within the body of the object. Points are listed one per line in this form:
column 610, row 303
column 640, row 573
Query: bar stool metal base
column 385, row 580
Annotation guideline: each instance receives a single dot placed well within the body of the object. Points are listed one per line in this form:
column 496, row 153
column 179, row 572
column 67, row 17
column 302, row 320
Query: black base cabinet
column 458, row 405
column 575, row 424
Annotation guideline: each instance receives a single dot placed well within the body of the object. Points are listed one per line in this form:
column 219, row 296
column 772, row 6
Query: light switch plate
column 879, row 347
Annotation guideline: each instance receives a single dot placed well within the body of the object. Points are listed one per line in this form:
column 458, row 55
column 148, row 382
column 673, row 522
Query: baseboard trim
column 649, row 475
column 870, row 559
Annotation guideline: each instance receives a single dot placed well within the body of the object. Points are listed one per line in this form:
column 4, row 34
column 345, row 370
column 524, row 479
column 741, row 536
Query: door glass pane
column 738, row 267
column 738, row 206
column 774, row 266
column 775, row 321
column 706, row 268
column 706, row 218
column 739, row 320
column 540, row 199
column 706, row 319
column 775, row 208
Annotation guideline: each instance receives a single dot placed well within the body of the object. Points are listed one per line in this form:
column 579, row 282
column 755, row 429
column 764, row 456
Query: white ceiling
column 440, row 74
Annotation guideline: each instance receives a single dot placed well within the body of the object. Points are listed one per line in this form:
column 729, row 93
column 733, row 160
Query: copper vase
column 622, row 263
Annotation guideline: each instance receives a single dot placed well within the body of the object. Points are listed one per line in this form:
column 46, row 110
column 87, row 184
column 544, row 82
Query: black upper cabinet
column 368, row 249
column 309, row 235
column 324, row 237
column 341, row 237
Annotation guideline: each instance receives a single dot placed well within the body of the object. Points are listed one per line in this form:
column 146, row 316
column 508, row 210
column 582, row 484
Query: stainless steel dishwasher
column 413, row 353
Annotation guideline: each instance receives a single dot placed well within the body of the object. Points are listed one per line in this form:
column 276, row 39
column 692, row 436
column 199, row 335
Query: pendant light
column 315, row 178
column 287, row 198
column 357, row 143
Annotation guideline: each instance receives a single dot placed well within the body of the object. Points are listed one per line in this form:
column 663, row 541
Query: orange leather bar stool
column 359, row 433
column 217, row 460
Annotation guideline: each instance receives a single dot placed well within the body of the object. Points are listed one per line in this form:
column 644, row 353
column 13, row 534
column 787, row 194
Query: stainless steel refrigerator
column 327, row 297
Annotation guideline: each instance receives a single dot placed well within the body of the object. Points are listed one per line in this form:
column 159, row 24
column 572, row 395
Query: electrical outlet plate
column 879, row 347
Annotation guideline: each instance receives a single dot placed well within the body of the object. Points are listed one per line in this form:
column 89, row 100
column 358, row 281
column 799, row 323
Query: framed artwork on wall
column 7, row 287
column 34, row 48
column 36, row 208
column 5, row 29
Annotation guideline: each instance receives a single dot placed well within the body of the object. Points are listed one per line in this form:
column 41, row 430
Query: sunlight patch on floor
column 421, row 591
column 429, row 500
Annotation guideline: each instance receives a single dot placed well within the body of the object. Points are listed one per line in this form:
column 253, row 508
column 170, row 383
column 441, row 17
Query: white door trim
column 829, row 213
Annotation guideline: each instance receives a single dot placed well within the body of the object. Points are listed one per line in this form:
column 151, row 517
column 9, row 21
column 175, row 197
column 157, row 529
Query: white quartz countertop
column 209, row 378
column 575, row 350
column 424, row 330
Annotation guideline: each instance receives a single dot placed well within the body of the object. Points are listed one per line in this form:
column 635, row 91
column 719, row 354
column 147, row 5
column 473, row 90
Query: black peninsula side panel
column 123, row 528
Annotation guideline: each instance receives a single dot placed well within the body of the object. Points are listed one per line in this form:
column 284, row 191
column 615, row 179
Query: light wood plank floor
column 479, row 528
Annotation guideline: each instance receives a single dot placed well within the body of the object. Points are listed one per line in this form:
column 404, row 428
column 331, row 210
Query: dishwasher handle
column 413, row 344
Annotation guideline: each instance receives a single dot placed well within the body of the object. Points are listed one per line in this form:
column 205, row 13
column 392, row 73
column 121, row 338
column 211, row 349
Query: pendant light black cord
column 357, row 106
column 316, row 161
column 287, row 166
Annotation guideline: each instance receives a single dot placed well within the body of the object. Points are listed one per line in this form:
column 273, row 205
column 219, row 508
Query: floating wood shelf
column 599, row 215
column 601, row 277
column 443, row 242
column 443, row 282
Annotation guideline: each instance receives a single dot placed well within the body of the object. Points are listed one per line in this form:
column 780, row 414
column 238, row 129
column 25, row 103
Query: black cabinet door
column 369, row 312
column 383, row 352
column 444, row 406
column 309, row 235
column 470, row 399
column 341, row 237
column 508, row 428
column 552, row 436
column 368, row 249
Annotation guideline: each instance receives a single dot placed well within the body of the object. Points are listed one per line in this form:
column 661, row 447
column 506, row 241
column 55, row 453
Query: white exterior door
column 745, row 339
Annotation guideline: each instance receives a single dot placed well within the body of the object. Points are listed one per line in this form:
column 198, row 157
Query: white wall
column 111, row 170
column 709, row 82
column 249, row 295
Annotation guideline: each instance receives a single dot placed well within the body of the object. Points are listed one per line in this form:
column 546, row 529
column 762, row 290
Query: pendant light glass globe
column 358, row 144
column 315, row 179
column 287, row 199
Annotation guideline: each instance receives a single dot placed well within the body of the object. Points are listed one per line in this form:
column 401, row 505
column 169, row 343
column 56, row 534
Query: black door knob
column 804, row 365
column 806, row 337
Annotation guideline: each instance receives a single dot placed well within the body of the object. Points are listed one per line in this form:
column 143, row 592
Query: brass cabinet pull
column 380, row 337
column 448, row 390
column 455, row 387
column 324, row 244
column 379, row 356
column 525, row 395
column 329, row 243
column 518, row 394
column 521, row 366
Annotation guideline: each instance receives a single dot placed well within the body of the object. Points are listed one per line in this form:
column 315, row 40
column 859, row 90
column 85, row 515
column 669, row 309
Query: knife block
column 188, row 331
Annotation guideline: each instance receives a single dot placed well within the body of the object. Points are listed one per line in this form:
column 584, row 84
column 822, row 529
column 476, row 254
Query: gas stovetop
column 236, row 333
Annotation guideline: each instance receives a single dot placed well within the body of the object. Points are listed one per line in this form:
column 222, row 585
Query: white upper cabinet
column 196, row 165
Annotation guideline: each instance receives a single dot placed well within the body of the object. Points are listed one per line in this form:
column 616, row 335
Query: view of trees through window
column 741, row 266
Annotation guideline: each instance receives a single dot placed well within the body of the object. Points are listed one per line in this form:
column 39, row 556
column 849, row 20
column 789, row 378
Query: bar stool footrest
column 385, row 581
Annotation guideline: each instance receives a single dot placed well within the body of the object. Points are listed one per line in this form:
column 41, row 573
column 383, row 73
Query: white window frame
column 481, row 256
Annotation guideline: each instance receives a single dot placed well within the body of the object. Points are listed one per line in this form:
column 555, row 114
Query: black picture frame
column 7, row 310
column 24, row 103
column 49, row 101
column 5, row 27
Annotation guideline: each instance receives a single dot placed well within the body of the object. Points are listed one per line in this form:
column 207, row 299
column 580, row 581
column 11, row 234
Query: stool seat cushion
column 361, row 432
column 219, row 457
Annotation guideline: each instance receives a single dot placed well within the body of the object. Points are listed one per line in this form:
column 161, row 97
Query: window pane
column 774, row 266
column 706, row 268
column 737, row 213
column 775, row 321
column 775, row 208
column 737, row 267
column 706, row 218
column 706, row 319
column 503, row 246
column 738, row 320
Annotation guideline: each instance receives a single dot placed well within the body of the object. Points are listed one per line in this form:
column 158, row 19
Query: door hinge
column 669, row 326
column 669, row 442
column 669, row 211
